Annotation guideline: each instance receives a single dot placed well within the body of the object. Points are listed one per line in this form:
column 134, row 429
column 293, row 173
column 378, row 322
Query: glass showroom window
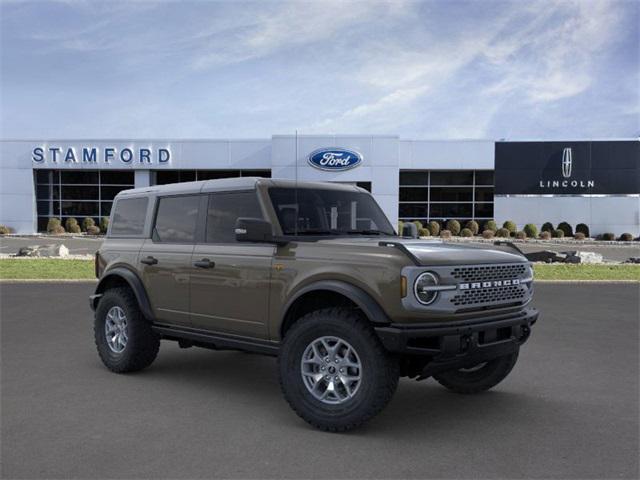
column 446, row 194
column 87, row 193
column 162, row 177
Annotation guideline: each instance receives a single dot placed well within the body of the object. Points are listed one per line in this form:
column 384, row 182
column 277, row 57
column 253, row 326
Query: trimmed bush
column 400, row 225
column 88, row 222
column 511, row 226
column 557, row 233
column 488, row 234
column 503, row 233
column 583, row 228
column 566, row 228
column 5, row 230
column 57, row 230
column 445, row 234
column 71, row 225
column 434, row 227
column 531, row 230
column 608, row 236
column 52, row 224
column 579, row 236
column 473, row 226
column 545, row 235
column 521, row 235
column 424, row 232
column 466, row 232
column 547, row 227
column 418, row 224
column 93, row 230
column 626, row 237
column 491, row 225
column 454, row 227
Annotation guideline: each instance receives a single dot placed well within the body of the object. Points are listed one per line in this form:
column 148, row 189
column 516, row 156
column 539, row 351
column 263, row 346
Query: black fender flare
column 134, row 282
column 362, row 299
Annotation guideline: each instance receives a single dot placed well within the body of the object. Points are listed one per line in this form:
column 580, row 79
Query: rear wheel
column 333, row 370
column 478, row 378
column 124, row 338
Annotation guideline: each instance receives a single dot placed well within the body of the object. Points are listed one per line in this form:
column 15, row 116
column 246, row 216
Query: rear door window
column 176, row 219
column 129, row 216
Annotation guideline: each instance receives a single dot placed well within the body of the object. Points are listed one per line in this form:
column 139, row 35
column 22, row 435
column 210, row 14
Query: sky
column 420, row 70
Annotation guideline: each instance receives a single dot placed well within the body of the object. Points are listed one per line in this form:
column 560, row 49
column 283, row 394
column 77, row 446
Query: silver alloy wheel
column 115, row 329
column 331, row 370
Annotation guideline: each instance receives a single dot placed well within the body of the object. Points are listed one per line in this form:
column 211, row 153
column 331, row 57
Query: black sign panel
column 552, row 168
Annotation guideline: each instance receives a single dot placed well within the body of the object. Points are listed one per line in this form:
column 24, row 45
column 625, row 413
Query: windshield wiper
column 366, row 232
column 314, row 232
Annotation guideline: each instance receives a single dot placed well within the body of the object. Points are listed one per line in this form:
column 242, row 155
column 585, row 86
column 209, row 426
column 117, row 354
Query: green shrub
column 88, row 222
column 488, row 234
column 5, row 230
column 608, row 236
column 93, row 230
column 445, row 234
column 491, row 225
column 424, row 232
column 473, row 226
column 583, row 228
column 454, row 227
column 626, row 237
column 511, row 226
column 400, row 226
column 521, row 235
column 71, row 225
column 531, row 230
column 579, row 236
column 566, row 228
column 503, row 233
column 545, row 235
column 57, row 230
column 557, row 233
column 434, row 227
column 466, row 232
column 547, row 227
column 52, row 224
column 418, row 224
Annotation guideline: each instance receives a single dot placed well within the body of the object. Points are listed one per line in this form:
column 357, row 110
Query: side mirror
column 254, row 230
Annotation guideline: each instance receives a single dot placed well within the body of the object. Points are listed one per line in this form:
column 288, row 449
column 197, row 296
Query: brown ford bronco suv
column 314, row 274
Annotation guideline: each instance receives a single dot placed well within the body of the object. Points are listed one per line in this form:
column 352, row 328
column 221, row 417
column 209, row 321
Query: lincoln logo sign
column 567, row 167
column 92, row 155
column 334, row 159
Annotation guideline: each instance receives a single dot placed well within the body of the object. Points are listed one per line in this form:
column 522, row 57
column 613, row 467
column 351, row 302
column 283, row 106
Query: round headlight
column 423, row 288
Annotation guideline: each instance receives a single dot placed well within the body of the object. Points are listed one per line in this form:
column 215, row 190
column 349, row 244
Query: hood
column 436, row 252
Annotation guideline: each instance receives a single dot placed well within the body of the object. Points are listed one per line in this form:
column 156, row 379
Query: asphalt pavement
column 568, row 410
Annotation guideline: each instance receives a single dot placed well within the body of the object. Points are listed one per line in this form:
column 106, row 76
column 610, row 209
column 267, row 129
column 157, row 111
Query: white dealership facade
column 591, row 182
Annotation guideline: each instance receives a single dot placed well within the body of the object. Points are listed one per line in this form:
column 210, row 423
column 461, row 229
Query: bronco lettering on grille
column 491, row 284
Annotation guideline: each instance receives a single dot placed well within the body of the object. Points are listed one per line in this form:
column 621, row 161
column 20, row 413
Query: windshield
column 328, row 212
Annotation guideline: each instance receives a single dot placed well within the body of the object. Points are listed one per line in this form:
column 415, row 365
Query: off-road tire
column 143, row 343
column 480, row 380
column 380, row 370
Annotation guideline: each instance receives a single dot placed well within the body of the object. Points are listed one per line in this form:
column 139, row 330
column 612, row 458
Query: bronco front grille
column 481, row 273
column 512, row 293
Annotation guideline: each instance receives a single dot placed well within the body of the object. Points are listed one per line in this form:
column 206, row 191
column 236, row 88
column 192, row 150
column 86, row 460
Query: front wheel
column 333, row 370
column 478, row 378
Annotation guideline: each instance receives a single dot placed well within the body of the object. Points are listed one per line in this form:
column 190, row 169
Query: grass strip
column 566, row 271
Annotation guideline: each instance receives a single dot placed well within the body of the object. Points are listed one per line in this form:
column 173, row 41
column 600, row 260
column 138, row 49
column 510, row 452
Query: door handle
column 204, row 263
column 149, row 260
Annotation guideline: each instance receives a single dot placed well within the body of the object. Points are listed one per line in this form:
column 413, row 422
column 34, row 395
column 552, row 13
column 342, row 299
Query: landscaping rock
column 546, row 256
column 632, row 260
column 589, row 257
column 52, row 250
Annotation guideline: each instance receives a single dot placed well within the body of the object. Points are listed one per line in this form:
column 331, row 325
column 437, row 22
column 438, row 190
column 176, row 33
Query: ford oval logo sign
column 334, row 159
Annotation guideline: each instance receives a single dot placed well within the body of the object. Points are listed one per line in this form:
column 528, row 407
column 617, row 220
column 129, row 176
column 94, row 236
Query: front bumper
column 460, row 344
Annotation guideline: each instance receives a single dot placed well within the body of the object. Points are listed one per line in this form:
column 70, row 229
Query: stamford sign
column 334, row 159
column 94, row 155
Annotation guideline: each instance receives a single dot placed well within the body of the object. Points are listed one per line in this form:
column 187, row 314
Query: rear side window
column 128, row 217
column 176, row 219
column 224, row 209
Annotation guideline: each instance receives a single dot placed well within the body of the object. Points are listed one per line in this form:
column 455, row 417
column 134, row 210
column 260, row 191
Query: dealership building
column 596, row 182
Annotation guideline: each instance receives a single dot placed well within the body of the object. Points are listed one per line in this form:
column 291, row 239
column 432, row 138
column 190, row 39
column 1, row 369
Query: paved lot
column 84, row 245
column 569, row 409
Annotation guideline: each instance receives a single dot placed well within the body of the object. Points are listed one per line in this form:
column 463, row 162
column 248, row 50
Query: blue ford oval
column 334, row 159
